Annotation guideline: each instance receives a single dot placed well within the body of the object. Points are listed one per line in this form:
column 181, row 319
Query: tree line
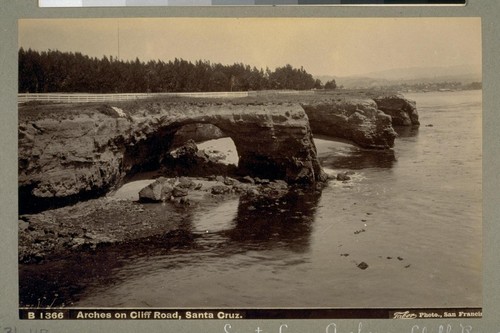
column 56, row 71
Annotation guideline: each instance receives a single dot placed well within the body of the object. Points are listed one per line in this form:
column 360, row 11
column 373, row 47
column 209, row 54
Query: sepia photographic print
column 250, row 168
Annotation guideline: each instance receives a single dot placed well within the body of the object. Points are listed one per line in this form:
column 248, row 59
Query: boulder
column 403, row 111
column 343, row 176
column 229, row 181
column 248, row 180
column 186, row 183
column 363, row 265
column 159, row 190
column 220, row 189
column 187, row 151
column 179, row 191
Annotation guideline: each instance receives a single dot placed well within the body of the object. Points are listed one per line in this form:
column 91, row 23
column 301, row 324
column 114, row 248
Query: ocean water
column 405, row 231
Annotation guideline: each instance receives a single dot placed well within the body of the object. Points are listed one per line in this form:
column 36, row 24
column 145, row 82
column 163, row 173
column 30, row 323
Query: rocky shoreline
column 108, row 221
column 71, row 158
column 69, row 153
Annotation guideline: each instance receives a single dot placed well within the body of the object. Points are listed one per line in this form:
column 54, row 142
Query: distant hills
column 464, row 74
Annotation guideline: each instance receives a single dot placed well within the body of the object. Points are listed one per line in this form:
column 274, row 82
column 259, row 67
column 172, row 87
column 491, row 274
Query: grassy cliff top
column 37, row 110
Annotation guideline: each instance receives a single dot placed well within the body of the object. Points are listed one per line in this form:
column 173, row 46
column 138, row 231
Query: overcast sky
column 323, row 46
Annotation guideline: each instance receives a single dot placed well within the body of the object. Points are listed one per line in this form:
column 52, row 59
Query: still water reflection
column 355, row 158
column 233, row 227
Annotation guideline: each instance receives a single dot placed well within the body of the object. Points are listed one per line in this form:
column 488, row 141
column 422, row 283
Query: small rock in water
column 186, row 183
column 185, row 202
column 400, row 259
column 229, row 181
column 280, row 184
column 152, row 192
column 343, row 176
column 363, row 265
column 156, row 191
column 247, row 180
column 220, row 189
column 179, row 192
column 253, row 192
column 166, row 191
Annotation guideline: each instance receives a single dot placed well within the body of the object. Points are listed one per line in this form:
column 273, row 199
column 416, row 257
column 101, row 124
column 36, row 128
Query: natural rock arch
column 273, row 141
column 85, row 152
column 70, row 153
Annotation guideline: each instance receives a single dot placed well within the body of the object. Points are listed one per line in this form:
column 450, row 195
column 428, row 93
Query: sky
column 322, row 46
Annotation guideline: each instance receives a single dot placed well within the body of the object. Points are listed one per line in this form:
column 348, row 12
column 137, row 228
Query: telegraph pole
column 118, row 37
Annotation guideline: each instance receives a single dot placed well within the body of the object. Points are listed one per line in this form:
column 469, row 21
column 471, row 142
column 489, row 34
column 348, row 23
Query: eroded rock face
column 66, row 158
column 403, row 111
column 357, row 120
column 197, row 133
column 73, row 155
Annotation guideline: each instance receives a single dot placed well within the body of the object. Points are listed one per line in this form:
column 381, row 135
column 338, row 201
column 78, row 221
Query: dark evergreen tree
column 55, row 71
column 331, row 85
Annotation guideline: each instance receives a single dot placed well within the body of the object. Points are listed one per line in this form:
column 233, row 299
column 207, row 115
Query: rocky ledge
column 403, row 111
column 68, row 153
column 162, row 207
column 357, row 120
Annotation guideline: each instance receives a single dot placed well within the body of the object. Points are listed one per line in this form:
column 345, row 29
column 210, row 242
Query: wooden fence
column 88, row 98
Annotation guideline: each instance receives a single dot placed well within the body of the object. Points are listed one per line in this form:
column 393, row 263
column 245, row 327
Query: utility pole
column 118, row 37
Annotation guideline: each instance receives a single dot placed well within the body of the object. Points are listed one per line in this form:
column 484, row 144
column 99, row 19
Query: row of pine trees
column 55, row 71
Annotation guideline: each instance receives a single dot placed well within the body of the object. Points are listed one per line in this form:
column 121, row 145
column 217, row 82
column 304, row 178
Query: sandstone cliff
column 357, row 120
column 69, row 153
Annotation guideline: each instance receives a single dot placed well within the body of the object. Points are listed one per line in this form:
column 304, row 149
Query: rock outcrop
column 403, row 111
column 357, row 120
column 69, row 153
